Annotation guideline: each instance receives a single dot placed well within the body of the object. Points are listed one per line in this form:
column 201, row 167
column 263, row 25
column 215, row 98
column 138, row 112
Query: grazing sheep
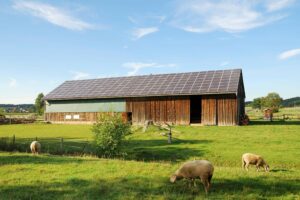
column 202, row 169
column 249, row 158
column 35, row 147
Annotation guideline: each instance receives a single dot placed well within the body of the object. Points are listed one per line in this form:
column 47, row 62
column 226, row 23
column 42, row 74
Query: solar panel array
column 193, row 83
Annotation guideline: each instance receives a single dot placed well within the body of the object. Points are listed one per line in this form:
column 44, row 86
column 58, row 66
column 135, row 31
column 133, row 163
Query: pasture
column 143, row 173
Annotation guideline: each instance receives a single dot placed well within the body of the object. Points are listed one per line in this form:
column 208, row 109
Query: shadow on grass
column 35, row 159
column 140, row 150
column 56, row 146
column 280, row 170
column 274, row 123
column 148, row 188
column 160, row 150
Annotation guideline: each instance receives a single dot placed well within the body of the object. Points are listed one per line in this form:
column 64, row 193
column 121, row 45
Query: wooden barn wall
column 219, row 110
column 227, row 110
column 159, row 109
column 241, row 100
column 209, row 110
column 61, row 116
column 241, row 109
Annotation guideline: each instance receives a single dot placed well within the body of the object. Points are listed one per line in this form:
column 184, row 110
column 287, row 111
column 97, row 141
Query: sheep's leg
column 243, row 164
column 190, row 182
column 205, row 184
column 195, row 184
column 209, row 181
column 257, row 168
column 247, row 165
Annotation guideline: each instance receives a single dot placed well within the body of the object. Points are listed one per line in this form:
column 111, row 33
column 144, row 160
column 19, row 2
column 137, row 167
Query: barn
column 205, row 98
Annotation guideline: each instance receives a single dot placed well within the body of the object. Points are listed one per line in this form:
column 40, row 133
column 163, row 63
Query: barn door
column 195, row 109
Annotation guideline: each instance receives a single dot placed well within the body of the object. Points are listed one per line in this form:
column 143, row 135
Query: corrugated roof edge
column 122, row 97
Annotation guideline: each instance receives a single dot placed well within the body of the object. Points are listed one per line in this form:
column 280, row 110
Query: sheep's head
column 267, row 168
column 173, row 178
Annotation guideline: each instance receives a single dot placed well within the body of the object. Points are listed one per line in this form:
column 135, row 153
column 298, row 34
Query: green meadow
column 144, row 171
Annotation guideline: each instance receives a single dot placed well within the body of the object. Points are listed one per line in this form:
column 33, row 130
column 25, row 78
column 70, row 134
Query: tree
column 256, row 104
column 2, row 111
column 272, row 101
column 109, row 133
column 39, row 104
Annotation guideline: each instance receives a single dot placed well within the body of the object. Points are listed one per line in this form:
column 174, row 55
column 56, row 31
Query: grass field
column 292, row 112
column 144, row 172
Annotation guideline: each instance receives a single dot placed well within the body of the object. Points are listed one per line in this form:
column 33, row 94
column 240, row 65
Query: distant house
column 207, row 97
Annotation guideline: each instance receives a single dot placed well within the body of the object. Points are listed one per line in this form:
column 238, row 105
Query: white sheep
column 35, row 147
column 202, row 169
column 249, row 158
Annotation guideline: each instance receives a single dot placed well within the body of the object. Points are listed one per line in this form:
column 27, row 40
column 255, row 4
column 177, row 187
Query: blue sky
column 44, row 43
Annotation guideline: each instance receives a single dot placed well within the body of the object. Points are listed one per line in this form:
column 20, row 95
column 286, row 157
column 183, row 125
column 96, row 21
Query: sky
column 44, row 43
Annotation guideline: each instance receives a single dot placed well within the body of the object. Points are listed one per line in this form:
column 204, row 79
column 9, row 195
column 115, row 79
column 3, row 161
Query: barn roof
column 191, row 83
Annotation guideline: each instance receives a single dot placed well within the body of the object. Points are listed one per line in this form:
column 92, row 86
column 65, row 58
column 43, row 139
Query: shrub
column 109, row 134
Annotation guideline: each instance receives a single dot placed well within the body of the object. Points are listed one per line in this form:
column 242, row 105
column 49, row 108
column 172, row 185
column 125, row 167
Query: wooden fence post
column 14, row 140
column 36, row 139
column 62, row 145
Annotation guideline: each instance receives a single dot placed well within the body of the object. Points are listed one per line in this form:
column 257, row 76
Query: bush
column 109, row 134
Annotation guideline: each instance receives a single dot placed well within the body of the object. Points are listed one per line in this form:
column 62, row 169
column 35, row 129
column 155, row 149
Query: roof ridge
column 153, row 74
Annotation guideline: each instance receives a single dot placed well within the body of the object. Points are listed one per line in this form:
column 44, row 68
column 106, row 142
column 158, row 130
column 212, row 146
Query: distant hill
column 295, row 101
column 17, row 108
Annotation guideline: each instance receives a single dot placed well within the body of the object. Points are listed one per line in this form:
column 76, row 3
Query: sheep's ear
column 173, row 178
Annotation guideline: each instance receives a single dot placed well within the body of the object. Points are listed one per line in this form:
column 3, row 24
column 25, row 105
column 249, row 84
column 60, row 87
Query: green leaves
column 39, row 104
column 109, row 133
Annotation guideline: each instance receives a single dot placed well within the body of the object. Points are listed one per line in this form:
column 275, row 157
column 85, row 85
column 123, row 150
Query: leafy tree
column 257, row 103
column 39, row 104
column 273, row 101
column 109, row 134
column 2, row 111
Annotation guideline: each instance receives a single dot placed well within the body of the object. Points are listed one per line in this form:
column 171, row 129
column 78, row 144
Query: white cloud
column 224, row 63
column 133, row 20
column 154, row 19
column 289, row 54
column 141, row 32
column 274, row 5
column 160, row 18
column 137, row 66
column 228, row 15
column 52, row 14
column 80, row 75
column 12, row 83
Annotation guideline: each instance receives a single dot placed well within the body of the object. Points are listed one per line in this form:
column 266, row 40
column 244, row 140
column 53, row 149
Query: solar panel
column 193, row 83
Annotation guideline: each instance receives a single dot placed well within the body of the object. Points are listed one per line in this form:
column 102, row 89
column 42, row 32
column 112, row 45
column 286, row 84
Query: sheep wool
column 252, row 159
column 197, row 169
column 35, row 147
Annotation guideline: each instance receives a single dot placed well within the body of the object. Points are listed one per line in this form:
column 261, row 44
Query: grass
column 144, row 172
column 292, row 112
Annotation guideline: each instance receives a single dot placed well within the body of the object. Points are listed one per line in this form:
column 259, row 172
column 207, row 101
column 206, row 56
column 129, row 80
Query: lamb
column 202, row 169
column 249, row 158
column 35, row 147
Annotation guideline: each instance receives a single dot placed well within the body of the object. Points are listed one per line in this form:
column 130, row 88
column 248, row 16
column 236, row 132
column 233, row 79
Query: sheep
column 201, row 169
column 35, row 147
column 249, row 158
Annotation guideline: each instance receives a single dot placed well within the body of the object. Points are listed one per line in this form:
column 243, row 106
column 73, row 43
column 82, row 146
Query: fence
column 57, row 146
column 283, row 117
